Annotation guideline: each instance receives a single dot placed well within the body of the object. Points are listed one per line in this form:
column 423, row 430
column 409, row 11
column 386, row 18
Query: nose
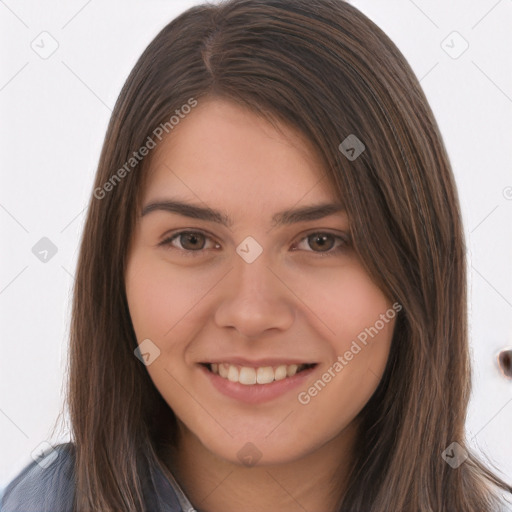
column 254, row 300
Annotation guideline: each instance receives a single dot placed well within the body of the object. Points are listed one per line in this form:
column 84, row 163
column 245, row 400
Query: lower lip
column 257, row 393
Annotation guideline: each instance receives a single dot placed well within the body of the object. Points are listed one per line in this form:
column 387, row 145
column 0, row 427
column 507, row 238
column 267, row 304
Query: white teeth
column 280, row 372
column 250, row 376
column 265, row 375
column 223, row 370
column 291, row 370
column 247, row 376
column 233, row 373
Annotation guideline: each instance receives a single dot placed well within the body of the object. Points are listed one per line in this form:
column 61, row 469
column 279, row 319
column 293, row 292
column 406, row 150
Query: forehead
column 223, row 152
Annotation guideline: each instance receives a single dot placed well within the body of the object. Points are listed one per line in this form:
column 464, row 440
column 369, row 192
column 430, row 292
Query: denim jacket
column 48, row 486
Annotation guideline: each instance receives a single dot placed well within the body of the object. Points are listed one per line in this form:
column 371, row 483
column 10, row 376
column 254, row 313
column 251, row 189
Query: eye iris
column 193, row 238
column 322, row 241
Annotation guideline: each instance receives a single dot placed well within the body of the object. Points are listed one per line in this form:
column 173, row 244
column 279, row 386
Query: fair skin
column 299, row 299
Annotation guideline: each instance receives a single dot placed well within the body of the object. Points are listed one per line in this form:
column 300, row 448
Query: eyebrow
column 285, row 217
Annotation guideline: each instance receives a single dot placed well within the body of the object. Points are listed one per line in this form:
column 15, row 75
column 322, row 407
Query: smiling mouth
column 250, row 376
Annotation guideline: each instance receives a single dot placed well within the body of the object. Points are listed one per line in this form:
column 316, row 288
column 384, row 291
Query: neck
column 315, row 482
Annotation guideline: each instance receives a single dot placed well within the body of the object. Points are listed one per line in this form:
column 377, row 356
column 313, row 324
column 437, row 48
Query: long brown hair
column 325, row 69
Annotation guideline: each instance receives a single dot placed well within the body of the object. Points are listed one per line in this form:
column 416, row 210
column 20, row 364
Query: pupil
column 192, row 238
column 322, row 243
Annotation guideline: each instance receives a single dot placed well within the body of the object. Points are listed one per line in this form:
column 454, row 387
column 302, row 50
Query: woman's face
column 254, row 298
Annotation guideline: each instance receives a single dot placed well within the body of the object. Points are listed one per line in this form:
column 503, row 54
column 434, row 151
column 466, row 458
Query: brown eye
column 324, row 244
column 321, row 241
column 192, row 241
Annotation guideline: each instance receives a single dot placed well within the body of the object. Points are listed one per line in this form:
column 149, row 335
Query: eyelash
column 345, row 242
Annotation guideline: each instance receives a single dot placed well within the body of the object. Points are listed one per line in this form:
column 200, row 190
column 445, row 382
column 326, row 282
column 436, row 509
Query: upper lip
column 258, row 363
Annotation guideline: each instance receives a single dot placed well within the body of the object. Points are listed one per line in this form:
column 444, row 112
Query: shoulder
column 48, row 485
column 43, row 485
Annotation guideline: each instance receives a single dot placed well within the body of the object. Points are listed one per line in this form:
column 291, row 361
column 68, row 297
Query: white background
column 54, row 115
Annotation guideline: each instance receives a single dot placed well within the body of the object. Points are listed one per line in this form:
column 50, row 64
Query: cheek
column 361, row 307
column 159, row 295
column 342, row 302
column 360, row 321
column 148, row 301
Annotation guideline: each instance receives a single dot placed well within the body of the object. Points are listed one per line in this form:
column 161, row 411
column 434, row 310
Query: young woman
column 270, row 300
